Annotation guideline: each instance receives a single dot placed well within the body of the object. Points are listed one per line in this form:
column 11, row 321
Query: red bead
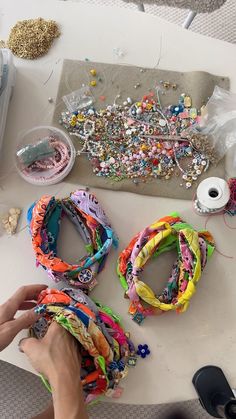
column 155, row 162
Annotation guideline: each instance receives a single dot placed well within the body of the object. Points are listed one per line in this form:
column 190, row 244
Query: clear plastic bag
column 79, row 99
column 38, row 151
column 219, row 121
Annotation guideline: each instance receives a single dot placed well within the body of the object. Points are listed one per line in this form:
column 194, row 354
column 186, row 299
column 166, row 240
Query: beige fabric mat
column 121, row 79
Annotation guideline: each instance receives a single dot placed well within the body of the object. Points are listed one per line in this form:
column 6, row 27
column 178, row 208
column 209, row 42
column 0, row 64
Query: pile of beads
column 89, row 219
column 170, row 232
column 139, row 141
column 106, row 350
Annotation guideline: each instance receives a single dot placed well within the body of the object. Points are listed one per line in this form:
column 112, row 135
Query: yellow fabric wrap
column 145, row 292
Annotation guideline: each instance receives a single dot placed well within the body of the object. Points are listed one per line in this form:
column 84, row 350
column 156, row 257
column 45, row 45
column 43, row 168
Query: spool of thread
column 213, row 194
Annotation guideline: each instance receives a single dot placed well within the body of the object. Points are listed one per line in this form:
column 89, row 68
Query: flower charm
column 143, row 351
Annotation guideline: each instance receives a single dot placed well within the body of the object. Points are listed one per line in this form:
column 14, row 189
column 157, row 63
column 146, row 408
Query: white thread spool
column 213, row 194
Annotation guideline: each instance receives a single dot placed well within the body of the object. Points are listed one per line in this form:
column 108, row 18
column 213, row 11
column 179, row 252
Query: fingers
column 24, row 293
column 27, row 292
column 24, row 321
column 27, row 305
column 29, row 346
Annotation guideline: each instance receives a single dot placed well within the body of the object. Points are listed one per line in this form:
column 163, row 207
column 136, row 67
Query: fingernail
column 40, row 309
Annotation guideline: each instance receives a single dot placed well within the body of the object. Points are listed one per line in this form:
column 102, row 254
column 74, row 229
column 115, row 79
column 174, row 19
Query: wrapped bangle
column 89, row 219
column 106, row 349
column 168, row 233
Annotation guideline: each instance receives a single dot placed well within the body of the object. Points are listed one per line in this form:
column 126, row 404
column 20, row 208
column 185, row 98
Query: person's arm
column 47, row 414
column 68, row 397
column 57, row 358
column 24, row 299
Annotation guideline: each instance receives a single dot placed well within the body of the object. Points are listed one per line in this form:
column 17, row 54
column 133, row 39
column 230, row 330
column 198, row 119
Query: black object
column 214, row 392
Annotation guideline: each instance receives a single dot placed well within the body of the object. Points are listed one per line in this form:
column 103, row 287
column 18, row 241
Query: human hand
column 56, row 355
column 23, row 299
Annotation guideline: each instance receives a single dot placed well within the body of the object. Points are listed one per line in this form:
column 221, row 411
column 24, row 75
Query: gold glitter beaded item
column 32, row 38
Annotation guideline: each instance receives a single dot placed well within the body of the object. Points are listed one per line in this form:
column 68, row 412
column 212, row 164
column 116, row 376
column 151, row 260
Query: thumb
column 27, row 319
column 29, row 346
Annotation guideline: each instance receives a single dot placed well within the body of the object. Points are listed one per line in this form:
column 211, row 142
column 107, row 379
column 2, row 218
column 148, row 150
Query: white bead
column 139, row 111
column 129, row 100
column 162, row 122
column 125, row 103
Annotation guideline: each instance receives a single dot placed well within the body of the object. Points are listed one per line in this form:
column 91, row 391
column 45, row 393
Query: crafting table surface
column 180, row 344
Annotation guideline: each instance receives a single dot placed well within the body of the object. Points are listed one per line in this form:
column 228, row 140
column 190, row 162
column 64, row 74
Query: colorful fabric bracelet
column 106, row 349
column 84, row 211
column 168, row 233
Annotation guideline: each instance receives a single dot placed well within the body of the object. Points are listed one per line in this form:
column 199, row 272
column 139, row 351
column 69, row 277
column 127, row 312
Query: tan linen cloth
column 115, row 79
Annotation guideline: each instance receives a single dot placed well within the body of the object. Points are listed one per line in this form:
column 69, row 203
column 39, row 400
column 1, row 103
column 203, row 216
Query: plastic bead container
column 34, row 164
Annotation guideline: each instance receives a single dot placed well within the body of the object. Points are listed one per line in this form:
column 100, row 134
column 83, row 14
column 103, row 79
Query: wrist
column 64, row 376
column 67, row 393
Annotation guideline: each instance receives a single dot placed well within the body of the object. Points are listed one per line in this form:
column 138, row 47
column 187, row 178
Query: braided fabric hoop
column 106, row 349
column 168, row 233
column 89, row 219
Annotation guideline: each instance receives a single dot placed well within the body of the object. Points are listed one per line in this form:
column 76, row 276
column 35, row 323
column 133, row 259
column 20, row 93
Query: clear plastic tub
column 31, row 163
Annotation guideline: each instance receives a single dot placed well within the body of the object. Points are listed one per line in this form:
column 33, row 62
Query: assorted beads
column 139, row 141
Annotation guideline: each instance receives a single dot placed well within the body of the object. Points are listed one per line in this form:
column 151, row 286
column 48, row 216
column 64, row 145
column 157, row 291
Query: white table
column 180, row 344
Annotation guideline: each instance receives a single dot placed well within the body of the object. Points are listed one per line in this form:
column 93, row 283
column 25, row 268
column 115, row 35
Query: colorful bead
column 138, row 318
column 143, row 351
